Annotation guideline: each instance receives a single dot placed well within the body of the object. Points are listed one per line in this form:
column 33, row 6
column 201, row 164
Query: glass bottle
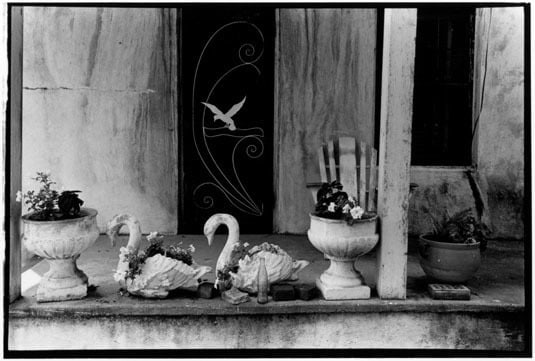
column 263, row 283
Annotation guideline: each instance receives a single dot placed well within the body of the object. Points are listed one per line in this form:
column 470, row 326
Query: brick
column 442, row 291
column 234, row 296
column 305, row 292
column 282, row 292
column 207, row 290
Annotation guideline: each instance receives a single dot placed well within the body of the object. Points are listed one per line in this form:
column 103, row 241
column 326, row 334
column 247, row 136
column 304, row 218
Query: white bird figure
column 279, row 265
column 159, row 273
column 227, row 118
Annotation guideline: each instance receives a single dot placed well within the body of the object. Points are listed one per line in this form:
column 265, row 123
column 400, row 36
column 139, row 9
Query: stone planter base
column 341, row 281
column 343, row 293
column 64, row 281
column 342, row 244
column 60, row 244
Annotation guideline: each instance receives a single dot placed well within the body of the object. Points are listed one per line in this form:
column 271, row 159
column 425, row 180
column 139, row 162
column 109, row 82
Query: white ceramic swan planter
column 159, row 274
column 279, row 265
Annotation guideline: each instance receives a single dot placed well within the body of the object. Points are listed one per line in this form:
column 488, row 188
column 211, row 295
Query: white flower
column 331, row 207
column 153, row 236
column 191, row 248
column 246, row 244
column 346, row 208
column 19, row 196
column 357, row 212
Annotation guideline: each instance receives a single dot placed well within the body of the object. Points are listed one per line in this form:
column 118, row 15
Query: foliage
column 332, row 203
column 238, row 252
column 136, row 261
column 48, row 204
column 462, row 227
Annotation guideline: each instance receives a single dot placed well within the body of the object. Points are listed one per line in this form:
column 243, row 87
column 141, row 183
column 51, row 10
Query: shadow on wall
column 446, row 191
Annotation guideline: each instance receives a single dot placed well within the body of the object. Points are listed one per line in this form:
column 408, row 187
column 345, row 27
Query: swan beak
column 210, row 237
column 210, row 226
column 111, row 230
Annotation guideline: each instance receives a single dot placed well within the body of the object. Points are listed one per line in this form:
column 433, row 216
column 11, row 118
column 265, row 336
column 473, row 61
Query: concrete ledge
column 180, row 306
column 473, row 331
column 495, row 318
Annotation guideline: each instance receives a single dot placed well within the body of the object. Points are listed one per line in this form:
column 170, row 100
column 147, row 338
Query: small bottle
column 263, row 283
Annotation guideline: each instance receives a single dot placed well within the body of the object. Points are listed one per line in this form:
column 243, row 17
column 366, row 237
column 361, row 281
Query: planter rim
column 86, row 213
column 448, row 245
column 328, row 220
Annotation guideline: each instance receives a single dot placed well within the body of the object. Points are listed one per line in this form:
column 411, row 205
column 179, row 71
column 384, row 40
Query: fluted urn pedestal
column 60, row 243
column 342, row 244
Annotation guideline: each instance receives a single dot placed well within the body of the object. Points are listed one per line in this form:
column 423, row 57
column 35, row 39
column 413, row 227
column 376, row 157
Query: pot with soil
column 58, row 230
column 343, row 231
column 452, row 254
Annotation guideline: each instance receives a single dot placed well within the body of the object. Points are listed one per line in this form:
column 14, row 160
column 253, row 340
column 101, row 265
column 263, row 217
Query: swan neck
column 134, row 230
column 233, row 238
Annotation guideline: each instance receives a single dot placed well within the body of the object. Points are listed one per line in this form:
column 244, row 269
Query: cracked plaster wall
column 498, row 149
column 500, row 135
column 99, row 111
column 99, row 108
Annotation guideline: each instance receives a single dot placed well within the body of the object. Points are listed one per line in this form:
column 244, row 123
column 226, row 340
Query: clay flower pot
column 448, row 262
column 342, row 244
column 61, row 243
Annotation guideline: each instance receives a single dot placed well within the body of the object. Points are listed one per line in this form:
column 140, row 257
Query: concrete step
column 494, row 319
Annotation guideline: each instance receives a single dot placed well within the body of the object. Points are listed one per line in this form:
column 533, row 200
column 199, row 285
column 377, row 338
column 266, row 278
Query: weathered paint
column 394, row 150
column 487, row 331
column 325, row 87
column 499, row 144
column 100, row 108
column 441, row 192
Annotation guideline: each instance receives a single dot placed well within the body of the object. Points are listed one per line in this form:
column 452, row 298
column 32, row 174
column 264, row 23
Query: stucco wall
column 325, row 87
column 500, row 134
column 99, row 108
column 498, row 146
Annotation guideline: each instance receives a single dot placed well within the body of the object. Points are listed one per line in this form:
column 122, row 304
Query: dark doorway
column 227, row 57
column 442, row 113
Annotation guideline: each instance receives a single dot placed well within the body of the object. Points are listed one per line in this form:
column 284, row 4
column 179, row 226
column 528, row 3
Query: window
column 442, row 113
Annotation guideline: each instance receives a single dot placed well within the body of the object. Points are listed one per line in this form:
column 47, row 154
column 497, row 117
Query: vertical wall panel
column 13, row 150
column 100, row 108
column 325, row 87
column 499, row 139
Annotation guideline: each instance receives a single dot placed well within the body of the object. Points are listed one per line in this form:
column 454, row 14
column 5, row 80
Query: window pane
column 442, row 113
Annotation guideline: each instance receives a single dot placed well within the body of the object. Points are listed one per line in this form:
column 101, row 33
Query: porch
column 494, row 319
column 403, row 317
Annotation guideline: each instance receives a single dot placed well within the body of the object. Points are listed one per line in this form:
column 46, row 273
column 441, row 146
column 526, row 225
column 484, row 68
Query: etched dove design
column 227, row 118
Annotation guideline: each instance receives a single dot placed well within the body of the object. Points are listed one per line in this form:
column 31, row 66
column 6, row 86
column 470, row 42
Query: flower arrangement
column 462, row 227
column 48, row 204
column 238, row 252
column 241, row 269
column 135, row 261
column 333, row 203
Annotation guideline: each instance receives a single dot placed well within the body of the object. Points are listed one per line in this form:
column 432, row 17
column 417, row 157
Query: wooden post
column 395, row 150
column 14, row 151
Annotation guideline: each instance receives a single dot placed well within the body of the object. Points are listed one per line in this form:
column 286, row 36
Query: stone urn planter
column 60, row 243
column 448, row 262
column 343, row 244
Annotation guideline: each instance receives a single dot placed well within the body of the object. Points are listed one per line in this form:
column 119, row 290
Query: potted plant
column 452, row 252
column 343, row 231
column 58, row 230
